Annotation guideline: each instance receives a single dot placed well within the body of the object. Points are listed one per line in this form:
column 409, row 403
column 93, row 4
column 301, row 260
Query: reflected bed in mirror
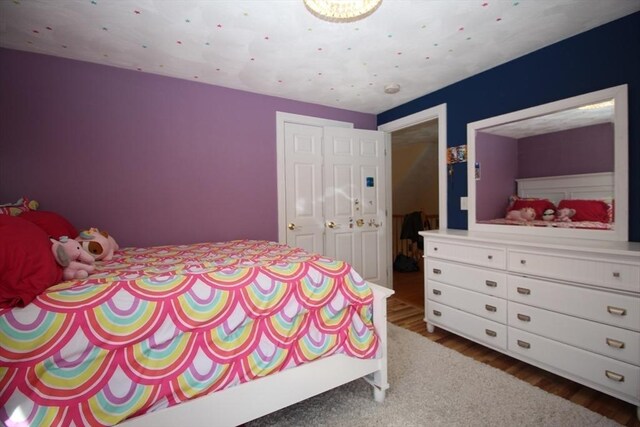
column 558, row 169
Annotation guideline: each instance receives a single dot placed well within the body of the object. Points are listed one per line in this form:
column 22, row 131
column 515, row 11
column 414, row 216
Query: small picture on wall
column 457, row 154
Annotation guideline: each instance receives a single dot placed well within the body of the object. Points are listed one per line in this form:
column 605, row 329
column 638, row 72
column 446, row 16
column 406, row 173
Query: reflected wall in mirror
column 567, row 159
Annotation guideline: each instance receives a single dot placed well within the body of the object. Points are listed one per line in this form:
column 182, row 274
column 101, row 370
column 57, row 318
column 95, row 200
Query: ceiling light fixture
column 342, row 10
column 392, row 88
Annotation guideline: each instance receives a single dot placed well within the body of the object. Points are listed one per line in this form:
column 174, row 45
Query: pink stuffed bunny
column 524, row 214
column 77, row 262
column 565, row 214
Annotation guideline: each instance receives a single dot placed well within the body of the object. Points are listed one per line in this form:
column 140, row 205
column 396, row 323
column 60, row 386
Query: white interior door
column 303, row 187
column 354, row 202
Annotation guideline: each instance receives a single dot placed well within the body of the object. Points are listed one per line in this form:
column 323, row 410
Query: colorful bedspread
column 590, row 225
column 154, row 327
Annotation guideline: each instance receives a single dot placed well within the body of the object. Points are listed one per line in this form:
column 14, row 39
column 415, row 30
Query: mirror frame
column 621, row 159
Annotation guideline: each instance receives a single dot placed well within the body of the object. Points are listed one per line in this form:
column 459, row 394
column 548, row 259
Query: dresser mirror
column 561, row 167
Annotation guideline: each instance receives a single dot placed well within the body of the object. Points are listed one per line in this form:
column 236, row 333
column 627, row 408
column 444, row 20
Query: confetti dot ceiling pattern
column 279, row 48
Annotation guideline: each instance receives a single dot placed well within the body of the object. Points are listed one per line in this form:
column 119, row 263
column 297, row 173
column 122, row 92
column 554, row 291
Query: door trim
column 438, row 112
column 281, row 119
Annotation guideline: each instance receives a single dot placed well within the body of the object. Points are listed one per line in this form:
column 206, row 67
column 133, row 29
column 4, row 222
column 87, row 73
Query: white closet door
column 354, row 202
column 303, row 187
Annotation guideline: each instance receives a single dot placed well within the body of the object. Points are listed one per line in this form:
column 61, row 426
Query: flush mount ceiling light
column 342, row 10
column 392, row 88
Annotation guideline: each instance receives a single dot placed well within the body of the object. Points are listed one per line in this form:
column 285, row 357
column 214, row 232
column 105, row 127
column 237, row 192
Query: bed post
column 379, row 378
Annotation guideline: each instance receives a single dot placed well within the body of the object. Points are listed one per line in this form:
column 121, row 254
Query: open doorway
column 415, row 204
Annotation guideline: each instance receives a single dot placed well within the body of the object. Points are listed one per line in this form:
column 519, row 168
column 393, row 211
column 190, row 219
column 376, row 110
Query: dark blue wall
column 597, row 59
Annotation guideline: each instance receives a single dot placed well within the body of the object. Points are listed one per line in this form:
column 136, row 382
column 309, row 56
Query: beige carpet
column 434, row 386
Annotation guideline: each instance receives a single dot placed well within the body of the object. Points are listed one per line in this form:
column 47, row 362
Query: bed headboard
column 592, row 186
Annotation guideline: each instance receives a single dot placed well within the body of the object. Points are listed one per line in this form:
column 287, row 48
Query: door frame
column 438, row 112
column 281, row 119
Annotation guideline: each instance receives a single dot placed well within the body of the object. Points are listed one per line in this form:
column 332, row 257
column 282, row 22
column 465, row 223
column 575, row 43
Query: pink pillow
column 55, row 225
column 587, row 210
column 22, row 205
column 27, row 265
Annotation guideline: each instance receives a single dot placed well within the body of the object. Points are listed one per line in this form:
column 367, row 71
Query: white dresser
column 569, row 306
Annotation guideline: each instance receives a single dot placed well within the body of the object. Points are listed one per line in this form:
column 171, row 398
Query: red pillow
column 587, row 210
column 27, row 265
column 538, row 205
column 53, row 224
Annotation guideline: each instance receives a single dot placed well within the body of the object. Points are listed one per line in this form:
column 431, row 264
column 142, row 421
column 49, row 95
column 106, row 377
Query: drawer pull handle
column 524, row 317
column 437, row 313
column 524, row 344
column 437, row 271
column 614, row 343
column 490, row 256
column 436, row 292
column 490, row 332
column 523, row 261
column 616, row 274
column 616, row 310
column 491, row 283
column 613, row 376
column 490, row 307
column 524, row 291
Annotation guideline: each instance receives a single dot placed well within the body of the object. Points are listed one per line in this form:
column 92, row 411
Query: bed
column 211, row 333
column 592, row 195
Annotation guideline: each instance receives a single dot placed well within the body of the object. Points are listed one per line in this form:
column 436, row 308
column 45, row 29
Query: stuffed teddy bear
column 76, row 262
column 565, row 214
column 98, row 243
column 548, row 215
column 524, row 214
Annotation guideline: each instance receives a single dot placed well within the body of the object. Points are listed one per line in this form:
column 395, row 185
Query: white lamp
column 342, row 10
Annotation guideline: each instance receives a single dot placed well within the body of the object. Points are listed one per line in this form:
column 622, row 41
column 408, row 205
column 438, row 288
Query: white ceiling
column 278, row 48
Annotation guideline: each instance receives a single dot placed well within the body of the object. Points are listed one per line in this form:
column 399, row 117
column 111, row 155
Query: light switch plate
column 463, row 203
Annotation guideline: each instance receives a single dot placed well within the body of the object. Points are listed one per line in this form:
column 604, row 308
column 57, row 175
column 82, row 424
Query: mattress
column 157, row 326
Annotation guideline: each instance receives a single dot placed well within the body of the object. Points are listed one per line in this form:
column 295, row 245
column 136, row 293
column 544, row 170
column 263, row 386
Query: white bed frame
column 592, row 186
column 254, row 399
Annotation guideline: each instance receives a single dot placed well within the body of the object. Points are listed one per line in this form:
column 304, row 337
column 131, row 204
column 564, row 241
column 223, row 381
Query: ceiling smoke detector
column 392, row 88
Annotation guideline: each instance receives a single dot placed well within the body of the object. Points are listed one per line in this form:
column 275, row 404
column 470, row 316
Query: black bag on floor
column 405, row 264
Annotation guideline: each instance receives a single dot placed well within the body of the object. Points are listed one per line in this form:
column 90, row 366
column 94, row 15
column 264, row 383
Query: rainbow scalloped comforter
column 157, row 326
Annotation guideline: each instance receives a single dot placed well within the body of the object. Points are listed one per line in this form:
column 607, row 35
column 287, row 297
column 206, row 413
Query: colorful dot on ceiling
column 195, row 77
column 245, row 14
column 485, row 4
column 389, row 35
column 266, row 37
column 64, row 46
column 253, row 59
column 144, row 46
column 105, row 29
column 187, row 20
column 29, row 42
column 332, row 89
column 139, row 69
column 219, row 25
column 94, row 2
column 217, row 69
column 468, row 38
column 498, row 19
column 207, row 44
column 461, row 29
column 105, row 55
column 399, row 53
column 427, row 57
column 36, row 31
column 178, row 42
column 424, row 26
column 49, row 28
column 137, row 12
column 319, row 48
column 435, row 44
column 279, row 81
column 319, row 74
column 516, row 3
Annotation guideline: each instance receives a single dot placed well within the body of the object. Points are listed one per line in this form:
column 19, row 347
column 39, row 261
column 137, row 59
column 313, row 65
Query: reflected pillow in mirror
column 587, row 210
column 538, row 205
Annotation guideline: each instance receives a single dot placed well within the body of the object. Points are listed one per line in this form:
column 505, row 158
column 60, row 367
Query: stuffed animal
column 524, row 214
column 98, row 243
column 77, row 262
column 565, row 214
column 548, row 215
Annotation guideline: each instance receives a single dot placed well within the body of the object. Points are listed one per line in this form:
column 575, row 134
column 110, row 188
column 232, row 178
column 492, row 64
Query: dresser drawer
column 481, row 305
column 486, row 256
column 610, row 341
column 581, row 270
column 600, row 306
column 473, row 327
column 476, row 279
column 612, row 374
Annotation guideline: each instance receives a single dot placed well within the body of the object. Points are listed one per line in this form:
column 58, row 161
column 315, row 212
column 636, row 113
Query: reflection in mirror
column 557, row 169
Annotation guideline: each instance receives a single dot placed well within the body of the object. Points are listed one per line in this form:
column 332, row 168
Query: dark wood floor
column 406, row 309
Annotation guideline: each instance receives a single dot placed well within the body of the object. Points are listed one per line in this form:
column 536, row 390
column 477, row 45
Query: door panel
column 303, row 187
column 355, row 200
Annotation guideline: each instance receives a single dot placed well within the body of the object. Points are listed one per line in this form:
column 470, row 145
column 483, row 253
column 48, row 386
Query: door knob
column 291, row 226
column 331, row 224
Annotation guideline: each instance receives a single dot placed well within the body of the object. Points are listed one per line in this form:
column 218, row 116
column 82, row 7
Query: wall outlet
column 463, row 203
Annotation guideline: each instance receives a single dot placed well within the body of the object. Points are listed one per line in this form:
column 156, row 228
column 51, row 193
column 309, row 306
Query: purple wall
column 151, row 159
column 583, row 150
column 497, row 156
